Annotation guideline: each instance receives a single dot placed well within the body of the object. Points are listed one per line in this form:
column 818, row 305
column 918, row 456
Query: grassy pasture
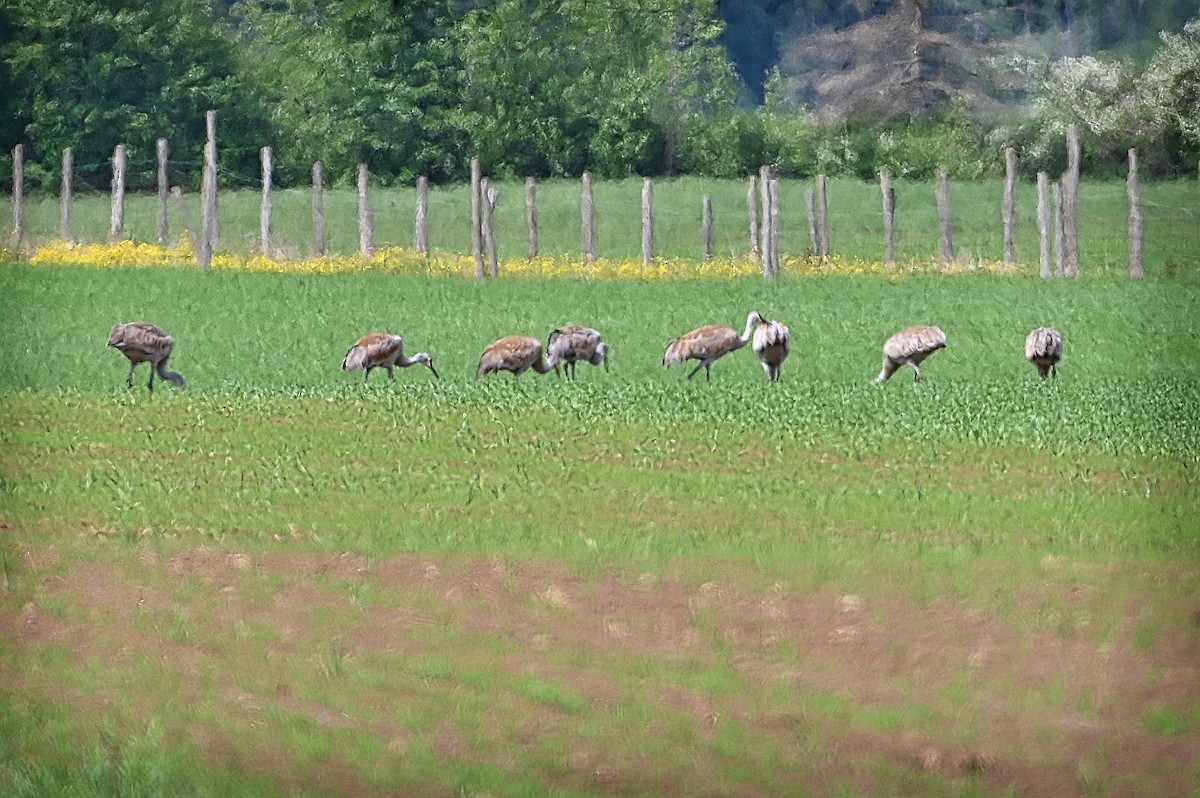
column 1171, row 210
column 283, row 581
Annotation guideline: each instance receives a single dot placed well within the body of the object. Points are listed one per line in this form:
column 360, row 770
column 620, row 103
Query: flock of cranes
column 771, row 342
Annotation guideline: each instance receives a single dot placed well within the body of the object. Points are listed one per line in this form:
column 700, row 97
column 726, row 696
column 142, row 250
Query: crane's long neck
column 170, row 375
column 752, row 321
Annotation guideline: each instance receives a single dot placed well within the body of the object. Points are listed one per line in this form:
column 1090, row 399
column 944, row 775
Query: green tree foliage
column 357, row 81
column 91, row 74
column 556, row 88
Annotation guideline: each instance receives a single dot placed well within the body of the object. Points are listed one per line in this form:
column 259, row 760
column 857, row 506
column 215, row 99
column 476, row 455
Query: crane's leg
column 698, row 367
column 391, row 373
column 150, row 384
column 1054, row 371
column 367, row 374
column 919, row 376
column 129, row 379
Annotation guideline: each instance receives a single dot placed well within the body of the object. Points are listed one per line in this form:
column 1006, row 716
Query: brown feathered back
column 515, row 353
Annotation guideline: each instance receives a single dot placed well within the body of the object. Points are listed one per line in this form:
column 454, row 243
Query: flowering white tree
column 1169, row 90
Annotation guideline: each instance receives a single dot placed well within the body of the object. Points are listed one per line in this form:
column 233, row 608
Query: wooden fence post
column 477, row 216
column 18, row 196
column 1059, row 232
column 1137, row 262
column 944, row 214
column 810, row 206
column 421, row 225
column 1043, row 217
column 264, row 222
column 531, row 217
column 587, row 210
column 823, row 216
column 647, row 221
column 1070, row 188
column 120, row 164
column 764, row 235
column 366, row 214
column 889, row 216
column 706, row 224
column 209, row 226
column 776, row 226
column 752, row 211
column 1010, row 205
column 489, row 195
column 67, row 195
column 164, row 188
column 318, row 209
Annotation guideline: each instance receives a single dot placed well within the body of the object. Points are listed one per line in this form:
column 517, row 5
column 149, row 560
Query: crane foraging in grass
column 909, row 347
column 382, row 350
column 515, row 353
column 772, row 342
column 142, row 342
column 1044, row 348
column 709, row 344
column 573, row 344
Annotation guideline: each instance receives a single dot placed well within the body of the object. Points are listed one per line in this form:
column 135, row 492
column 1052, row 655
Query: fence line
column 763, row 210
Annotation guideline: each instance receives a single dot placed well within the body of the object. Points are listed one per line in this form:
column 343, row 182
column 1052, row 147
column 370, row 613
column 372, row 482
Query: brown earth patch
column 853, row 690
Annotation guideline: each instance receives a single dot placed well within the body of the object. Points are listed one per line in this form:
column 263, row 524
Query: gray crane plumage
column 1044, row 349
column 574, row 343
column 772, row 343
column 708, row 344
column 142, row 342
column 909, row 347
column 515, row 353
column 383, row 350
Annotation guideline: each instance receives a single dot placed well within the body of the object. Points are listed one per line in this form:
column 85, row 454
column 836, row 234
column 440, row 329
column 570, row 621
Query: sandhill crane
column 141, row 342
column 908, row 348
column 574, row 343
column 708, row 344
column 515, row 353
column 1044, row 348
column 772, row 342
column 382, row 350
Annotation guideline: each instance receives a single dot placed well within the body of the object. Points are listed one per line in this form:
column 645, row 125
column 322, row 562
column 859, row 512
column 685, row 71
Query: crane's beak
column 431, row 368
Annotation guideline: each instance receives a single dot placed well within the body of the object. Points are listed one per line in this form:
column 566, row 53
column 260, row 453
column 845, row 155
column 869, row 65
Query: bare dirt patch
column 845, row 691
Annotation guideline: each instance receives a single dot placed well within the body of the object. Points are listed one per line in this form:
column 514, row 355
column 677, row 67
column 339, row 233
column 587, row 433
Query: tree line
column 538, row 88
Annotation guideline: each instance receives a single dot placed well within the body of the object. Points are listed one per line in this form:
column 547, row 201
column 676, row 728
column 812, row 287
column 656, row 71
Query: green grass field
column 1171, row 210
column 285, row 581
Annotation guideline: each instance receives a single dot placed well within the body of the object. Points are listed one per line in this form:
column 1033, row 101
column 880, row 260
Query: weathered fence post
column 1059, row 231
column 164, row 188
column 823, row 216
column 776, row 226
column 752, row 211
column 318, row 209
column 490, row 195
column 209, row 226
column 1043, row 217
column 1070, row 190
column 18, row 196
column 366, row 214
column 120, row 164
column 1137, row 262
column 889, row 216
column 477, row 216
column 706, row 224
column 531, row 217
column 1010, row 205
column 764, row 236
column 421, row 225
column 944, row 214
column 66, row 196
column 587, row 210
column 647, row 221
column 264, row 222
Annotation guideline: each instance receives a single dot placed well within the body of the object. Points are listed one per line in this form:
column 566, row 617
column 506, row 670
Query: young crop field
column 286, row 580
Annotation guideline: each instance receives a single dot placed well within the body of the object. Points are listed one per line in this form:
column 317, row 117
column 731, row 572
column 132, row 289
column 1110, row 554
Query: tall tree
column 90, row 74
column 351, row 81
